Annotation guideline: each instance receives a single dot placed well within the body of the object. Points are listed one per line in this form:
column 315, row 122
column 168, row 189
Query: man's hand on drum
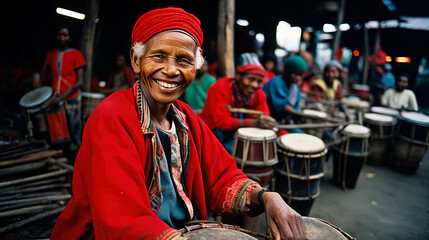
column 264, row 121
column 282, row 220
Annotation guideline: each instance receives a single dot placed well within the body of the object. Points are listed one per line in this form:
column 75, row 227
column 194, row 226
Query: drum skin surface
column 35, row 97
column 316, row 229
column 217, row 233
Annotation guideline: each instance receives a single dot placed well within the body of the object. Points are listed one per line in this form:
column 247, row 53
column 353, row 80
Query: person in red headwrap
column 242, row 91
column 148, row 163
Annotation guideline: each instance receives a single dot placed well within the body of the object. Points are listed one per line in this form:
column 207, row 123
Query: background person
column 400, row 97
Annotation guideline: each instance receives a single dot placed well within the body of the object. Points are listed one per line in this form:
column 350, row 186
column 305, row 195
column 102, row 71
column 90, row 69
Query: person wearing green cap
column 283, row 94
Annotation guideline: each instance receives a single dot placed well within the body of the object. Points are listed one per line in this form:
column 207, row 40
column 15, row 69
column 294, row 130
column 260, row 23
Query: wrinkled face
column 331, row 73
column 63, row 37
column 402, row 83
column 249, row 83
column 167, row 67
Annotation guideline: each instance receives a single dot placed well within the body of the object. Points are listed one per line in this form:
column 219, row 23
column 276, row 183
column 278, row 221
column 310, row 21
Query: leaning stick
column 28, row 210
column 34, row 178
column 30, row 158
column 28, row 167
column 35, row 189
column 244, row 111
column 34, row 218
column 37, row 200
column 308, row 126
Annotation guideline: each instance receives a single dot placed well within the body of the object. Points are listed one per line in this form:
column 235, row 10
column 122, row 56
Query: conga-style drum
column 412, row 141
column 255, row 151
column 361, row 91
column 350, row 156
column 357, row 106
column 317, row 229
column 301, row 166
column 47, row 122
column 89, row 102
column 204, row 230
column 385, row 111
column 382, row 134
column 313, row 113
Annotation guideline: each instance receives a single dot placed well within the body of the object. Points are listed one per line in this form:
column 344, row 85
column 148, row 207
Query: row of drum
column 293, row 164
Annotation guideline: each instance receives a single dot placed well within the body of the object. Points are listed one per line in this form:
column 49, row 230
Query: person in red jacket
column 242, row 91
column 148, row 164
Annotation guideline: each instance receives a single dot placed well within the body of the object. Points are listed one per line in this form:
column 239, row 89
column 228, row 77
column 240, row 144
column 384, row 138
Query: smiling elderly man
column 148, row 164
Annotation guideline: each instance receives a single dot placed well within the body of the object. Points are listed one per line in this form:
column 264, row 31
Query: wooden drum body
column 350, row 156
column 382, row 133
column 314, row 113
column 361, row 91
column 255, row 152
column 89, row 103
column 412, row 141
column 316, row 229
column 47, row 122
column 203, row 230
column 301, row 166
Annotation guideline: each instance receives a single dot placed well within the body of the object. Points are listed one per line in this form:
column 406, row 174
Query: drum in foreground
column 385, row 111
column 381, row 140
column 412, row 141
column 301, row 166
column 316, row 229
column 350, row 156
column 89, row 102
column 255, row 152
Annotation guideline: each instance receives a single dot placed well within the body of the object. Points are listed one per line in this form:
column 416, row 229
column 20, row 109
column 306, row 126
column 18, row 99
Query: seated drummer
column 329, row 87
column 400, row 97
column 148, row 163
column 242, row 91
column 283, row 93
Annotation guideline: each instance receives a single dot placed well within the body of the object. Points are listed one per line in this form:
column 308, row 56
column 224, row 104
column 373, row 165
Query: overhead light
column 260, row 37
column 372, row 24
column 70, row 13
column 344, row 27
column 327, row 27
column 242, row 22
column 388, row 58
column 402, row 59
column 279, row 52
column 356, row 53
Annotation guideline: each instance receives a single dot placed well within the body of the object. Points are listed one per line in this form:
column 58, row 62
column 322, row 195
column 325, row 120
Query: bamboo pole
column 30, row 158
column 340, row 19
column 225, row 39
column 34, row 178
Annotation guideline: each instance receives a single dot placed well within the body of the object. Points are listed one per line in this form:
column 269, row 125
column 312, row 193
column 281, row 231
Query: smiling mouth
column 167, row 85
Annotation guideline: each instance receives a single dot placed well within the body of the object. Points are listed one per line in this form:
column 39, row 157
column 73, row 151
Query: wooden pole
column 225, row 39
column 340, row 19
column 365, row 55
column 87, row 41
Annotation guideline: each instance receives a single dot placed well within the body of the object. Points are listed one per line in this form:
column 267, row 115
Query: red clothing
column 69, row 61
column 219, row 95
column 114, row 170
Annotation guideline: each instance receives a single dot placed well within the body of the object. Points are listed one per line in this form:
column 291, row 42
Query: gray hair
column 139, row 49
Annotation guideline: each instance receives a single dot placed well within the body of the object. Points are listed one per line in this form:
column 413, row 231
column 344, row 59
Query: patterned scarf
column 240, row 101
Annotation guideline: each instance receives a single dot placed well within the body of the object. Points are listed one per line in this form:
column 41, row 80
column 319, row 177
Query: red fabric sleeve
column 78, row 60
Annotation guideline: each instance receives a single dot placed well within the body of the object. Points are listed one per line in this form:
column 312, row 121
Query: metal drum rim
column 27, row 102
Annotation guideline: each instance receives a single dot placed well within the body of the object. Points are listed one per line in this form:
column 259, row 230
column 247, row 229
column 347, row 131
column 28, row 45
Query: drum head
column 93, row 95
column 35, row 97
column 302, row 143
column 316, row 229
column 385, row 111
column 355, row 130
column 379, row 118
column 357, row 103
column 256, row 133
column 361, row 87
column 315, row 113
column 415, row 117
column 217, row 233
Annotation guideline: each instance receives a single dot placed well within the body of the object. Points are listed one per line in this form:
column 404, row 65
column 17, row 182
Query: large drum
column 89, row 103
column 357, row 107
column 316, row 229
column 385, row 111
column 412, row 141
column 382, row 134
column 311, row 114
column 350, row 156
column 301, row 166
column 47, row 122
column 255, row 152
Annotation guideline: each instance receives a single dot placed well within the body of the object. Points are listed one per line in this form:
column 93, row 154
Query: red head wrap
column 163, row 19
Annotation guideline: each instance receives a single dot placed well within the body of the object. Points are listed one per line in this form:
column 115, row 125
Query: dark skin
column 401, row 83
column 166, row 69
column 290, row 78
column 63, row 40
column 248, row 84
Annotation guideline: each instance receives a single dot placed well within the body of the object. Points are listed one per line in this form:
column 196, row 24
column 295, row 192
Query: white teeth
column 166, row 85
